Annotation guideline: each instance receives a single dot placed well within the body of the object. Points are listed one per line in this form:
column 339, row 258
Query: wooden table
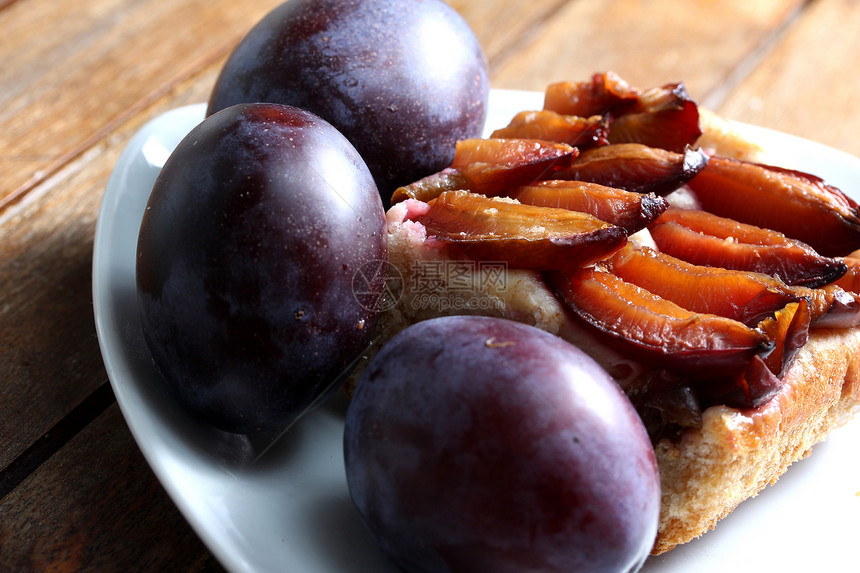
column 79, row 77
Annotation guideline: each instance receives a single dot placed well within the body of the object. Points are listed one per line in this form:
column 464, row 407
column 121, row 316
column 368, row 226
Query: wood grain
column 101, row 62
column 649, row 43
column 502, row 27
column 50, row 358
column 808, row 84
column 96, row 506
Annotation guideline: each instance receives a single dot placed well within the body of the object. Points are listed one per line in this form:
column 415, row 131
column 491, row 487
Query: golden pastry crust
column 710, row 470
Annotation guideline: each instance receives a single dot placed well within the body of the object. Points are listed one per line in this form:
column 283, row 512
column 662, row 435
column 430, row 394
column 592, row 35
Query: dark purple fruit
column 254, row 232
column 402, row 79
column 481, row 444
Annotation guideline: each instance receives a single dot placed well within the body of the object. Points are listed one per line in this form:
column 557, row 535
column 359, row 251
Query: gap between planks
column 54, row 439
column 526, row 36
column 746, row 66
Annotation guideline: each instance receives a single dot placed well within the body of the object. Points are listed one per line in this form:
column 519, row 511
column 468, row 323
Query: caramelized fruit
column 669, row 119
column 797, row 204
column 604, row 92
column 524, row 236
column 789, row 331
column 427, row 188
column 656, row 330
column 706, row 239
column 831, row 306
column 664, row 117
column 761, row 380
column 492, row 166
column 630, row 211
column 850, row 281
column 636, row 167
column 743, row 296
column 583, row 132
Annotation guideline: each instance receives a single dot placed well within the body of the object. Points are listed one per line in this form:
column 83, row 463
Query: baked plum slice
column 831, row 306
column 702, row 238
column 491, row 166
column 800, row 205
column 850, row 281
column 748, row 297
column 668, row 119
column 664, row 117
column 656, row 330
column 740, row 295
column 603, row 92
column 726, row 361
column 636, row 167
column 788, row 329
column 761, row 380
column 583, row 132
column 526, row 237
column 630, row 211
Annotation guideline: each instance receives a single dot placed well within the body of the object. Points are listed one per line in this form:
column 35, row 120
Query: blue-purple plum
column 253, row 234
column 402, row 79
column 481, row 444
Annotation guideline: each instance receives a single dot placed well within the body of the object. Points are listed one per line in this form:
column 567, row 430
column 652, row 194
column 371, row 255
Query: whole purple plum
column 402, row 79
column 253, row 234
column 481, row 444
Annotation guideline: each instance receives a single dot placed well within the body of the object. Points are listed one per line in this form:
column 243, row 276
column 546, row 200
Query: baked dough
column 709, row 471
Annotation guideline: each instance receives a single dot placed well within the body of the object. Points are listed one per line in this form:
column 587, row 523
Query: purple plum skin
column 403, row 80
column 480, row 444
column 249, row 243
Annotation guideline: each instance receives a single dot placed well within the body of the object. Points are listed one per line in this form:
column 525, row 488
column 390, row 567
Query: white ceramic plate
column 290, row 511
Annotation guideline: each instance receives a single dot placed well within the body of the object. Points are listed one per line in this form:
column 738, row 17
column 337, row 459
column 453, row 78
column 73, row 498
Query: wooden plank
column 50, row 360
column 807, row 85
column 648, row 43
column 49, row 356
column 100, row 62
column 502, row 26
column 96, row 506
column 56, row 438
